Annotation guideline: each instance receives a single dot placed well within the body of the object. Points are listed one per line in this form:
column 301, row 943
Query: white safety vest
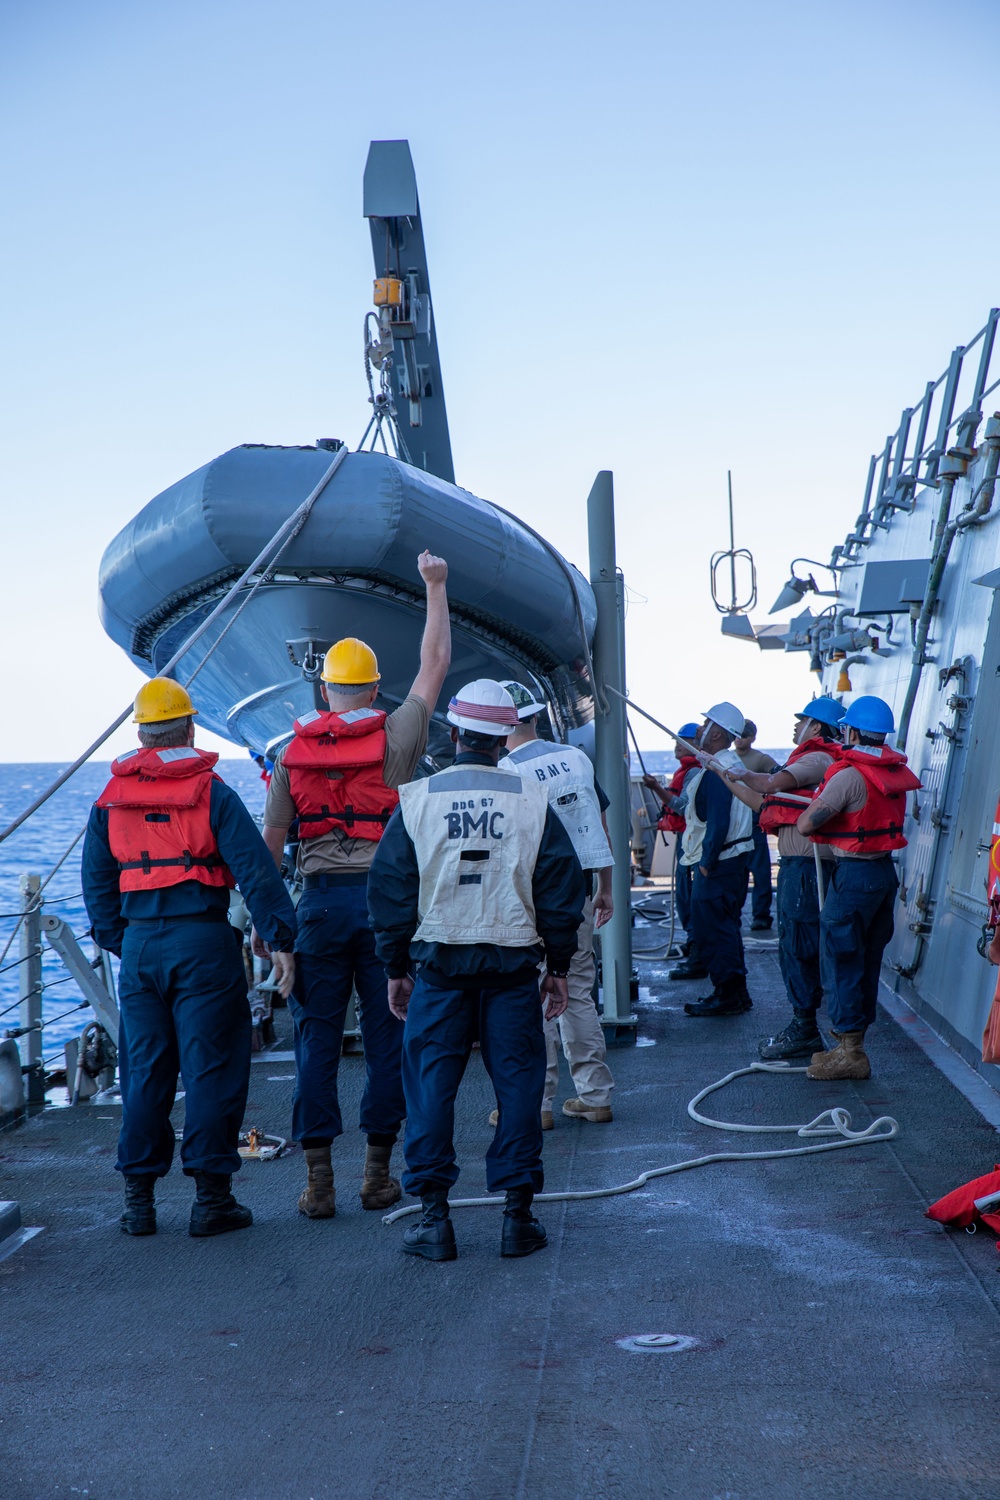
column 568, row 778
column 739, row 836
column 476, row 831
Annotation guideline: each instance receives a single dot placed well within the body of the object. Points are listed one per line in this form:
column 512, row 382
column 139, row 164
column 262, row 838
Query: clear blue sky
column 665, row 239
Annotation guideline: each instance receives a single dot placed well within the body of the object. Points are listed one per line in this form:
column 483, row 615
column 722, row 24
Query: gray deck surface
column 847, row 1347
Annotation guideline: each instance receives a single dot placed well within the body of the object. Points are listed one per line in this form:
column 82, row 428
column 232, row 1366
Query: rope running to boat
column 285, row 534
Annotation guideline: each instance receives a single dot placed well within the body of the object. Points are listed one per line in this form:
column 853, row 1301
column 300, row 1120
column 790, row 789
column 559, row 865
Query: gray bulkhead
column 952, row 745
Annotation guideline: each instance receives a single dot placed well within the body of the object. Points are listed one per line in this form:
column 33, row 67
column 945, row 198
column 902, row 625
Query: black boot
column 140, row 1210
column 690, row 969
column 215, row 1210
column 730, row 999
column 434, row 1236
column 521, row 1232
column 800, row 1038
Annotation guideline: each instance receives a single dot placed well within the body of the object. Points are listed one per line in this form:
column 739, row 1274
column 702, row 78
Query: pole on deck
column 611, row 746
column 30, row 989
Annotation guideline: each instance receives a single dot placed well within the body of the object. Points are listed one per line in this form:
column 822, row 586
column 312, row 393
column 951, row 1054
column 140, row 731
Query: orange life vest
column 878, row 827
column 778, row 809
column 158, row 819
column 673, row 822
column 335, row 774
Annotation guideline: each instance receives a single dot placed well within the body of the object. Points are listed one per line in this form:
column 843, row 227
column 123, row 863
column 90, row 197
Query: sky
column 667, row 240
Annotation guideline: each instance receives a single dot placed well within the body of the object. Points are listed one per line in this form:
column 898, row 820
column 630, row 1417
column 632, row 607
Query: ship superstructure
column 915, row 620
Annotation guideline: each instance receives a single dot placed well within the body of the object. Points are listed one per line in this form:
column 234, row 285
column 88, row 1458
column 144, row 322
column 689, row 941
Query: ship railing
column 927, row 431
column 88, row 1061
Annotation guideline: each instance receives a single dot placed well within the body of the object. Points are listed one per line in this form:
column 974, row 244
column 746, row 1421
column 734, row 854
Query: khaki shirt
column 808, row 772
column 847, row 792
column 335, row 852
column 756, row 760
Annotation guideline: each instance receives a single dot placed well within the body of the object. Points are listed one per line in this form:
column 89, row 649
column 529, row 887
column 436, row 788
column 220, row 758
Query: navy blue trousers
column 855, row 927
column 182, row 993
column 760, row 874
column 441, row 1025
column 335, row 952
column 798, row 932
column 716, row 911
column 682, row 896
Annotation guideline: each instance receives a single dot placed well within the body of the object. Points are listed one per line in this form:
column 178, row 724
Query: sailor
column 166, row 842
column 858, row 811
column 579, row 802
column 339, row 777
column 717, row 844
column 673, row 800
column 474, row 884
column 760, row 859
column 815, row 738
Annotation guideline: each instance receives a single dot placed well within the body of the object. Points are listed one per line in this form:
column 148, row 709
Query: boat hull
column 518, row 609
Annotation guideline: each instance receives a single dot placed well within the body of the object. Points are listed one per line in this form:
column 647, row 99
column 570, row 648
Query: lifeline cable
column 831, row 1122
column 285, row 533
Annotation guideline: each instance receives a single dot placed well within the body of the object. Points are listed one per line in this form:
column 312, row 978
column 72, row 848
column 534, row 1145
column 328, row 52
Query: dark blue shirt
column 713, row 803
column 244, row 851
column 558, row 891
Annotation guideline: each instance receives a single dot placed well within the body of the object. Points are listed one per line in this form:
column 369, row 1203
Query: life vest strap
column 348, row 817
column 186, row 861
column 858, row 834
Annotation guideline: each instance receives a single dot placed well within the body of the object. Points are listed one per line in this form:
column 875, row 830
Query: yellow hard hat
column 161, row 698
column 350, row 662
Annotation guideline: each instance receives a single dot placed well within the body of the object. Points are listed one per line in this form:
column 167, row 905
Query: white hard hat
column 524, row 700
column 483, row 707
column 727, row 716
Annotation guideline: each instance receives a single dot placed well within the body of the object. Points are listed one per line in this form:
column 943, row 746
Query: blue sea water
column 35, row 848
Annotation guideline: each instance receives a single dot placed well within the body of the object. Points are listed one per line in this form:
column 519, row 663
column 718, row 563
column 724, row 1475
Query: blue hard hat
column 824, row 711
column 869, row 714
column 689, row 732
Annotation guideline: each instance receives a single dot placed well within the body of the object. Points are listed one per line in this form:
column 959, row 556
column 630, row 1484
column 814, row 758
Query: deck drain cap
column 657, row 1343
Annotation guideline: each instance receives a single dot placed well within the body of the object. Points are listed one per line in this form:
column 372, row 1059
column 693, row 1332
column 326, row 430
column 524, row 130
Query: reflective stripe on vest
column 567, row 775
column 739, row 835
column 159, row 827
column 335, row 765
column 476, row 831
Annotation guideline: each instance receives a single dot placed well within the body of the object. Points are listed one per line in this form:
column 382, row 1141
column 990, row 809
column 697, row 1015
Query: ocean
column 34, row 849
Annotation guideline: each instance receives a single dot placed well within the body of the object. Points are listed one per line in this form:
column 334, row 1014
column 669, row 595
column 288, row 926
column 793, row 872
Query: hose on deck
column 830, row 1122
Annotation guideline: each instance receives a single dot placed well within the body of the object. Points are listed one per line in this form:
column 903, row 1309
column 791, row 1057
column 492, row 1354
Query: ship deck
column 846, row 1346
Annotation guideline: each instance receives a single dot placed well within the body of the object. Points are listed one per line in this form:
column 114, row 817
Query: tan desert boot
column 379, row 1190
column 579, row 1109
column 318, row 1199
column 846, row 1060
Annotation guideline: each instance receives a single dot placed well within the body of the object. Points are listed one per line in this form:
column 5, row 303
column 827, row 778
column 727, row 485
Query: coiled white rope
column 831, row 1122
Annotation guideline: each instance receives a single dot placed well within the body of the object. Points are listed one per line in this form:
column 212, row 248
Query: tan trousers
column 579, row 1029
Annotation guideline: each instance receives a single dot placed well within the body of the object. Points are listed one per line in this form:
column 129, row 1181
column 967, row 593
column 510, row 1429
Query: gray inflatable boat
column 518, row 609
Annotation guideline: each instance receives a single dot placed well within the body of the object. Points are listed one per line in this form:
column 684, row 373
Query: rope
column 288, row 530
column 830, row 1122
